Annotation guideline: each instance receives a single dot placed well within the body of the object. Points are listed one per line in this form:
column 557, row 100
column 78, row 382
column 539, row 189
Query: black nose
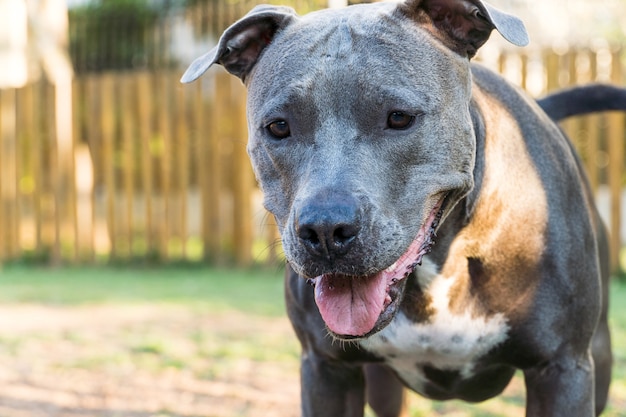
column 328, row 225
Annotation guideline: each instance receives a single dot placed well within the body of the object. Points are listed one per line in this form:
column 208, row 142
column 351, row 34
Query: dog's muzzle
column 355, row 306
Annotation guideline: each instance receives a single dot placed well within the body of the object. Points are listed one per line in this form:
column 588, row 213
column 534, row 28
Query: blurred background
column 105, row 156
column 110, row 167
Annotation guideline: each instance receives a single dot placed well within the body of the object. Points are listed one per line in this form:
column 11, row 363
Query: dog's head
column 360, row 136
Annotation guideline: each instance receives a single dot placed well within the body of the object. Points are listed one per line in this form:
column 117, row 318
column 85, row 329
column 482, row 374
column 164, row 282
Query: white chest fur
column 447, row 341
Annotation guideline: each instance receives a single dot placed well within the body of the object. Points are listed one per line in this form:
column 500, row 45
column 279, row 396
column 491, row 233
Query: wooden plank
column 77, row 88
column 84, row 202
column 182, row 145
column 502, row 58
column 91, row 125
column 49, row 231
column 524, row 70
column 65, row 191
column 615, row 173
column 205, row 128
column 37, row 161
column 127, row 96
column 242, row 181
column 165, row 162
column 52, row 196
column 592, row 147
column 593, row 131
column 19, row 151
column 551, row 64
column 3, row 249
column 144, row 101
column 26, row 179
column 616, row 165
column 212, row 172
column 107, row 124
column 8, row 173
column 69, row 167
column 571, row 125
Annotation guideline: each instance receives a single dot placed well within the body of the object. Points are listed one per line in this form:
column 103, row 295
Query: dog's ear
column 465, row 25
column 241, row 44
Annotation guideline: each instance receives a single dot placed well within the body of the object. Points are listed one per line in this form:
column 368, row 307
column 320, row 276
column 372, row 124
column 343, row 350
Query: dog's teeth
column 386, row 303
column 392, row 267
column 313, row 281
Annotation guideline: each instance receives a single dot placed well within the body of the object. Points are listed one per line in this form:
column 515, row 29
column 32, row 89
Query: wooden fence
column 158, row 170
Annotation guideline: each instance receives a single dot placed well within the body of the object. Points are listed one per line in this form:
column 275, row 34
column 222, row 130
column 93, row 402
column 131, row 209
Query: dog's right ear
column 241, row 44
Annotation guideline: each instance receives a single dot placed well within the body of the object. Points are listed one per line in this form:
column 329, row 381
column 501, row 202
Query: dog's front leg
column 563, row 387
column 331, row 388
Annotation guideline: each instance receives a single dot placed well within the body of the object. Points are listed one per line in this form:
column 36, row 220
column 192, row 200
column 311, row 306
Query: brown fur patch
column 504, row 240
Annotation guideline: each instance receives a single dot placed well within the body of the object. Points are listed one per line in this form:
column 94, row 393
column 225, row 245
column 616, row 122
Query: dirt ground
column 168, row 361
column 137, row 362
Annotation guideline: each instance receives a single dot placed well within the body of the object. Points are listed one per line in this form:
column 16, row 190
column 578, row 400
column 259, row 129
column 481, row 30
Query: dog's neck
column 463, row 210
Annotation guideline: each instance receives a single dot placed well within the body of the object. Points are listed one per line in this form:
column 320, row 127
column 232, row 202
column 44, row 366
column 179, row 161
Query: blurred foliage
column 113, row 34
column 134, row 34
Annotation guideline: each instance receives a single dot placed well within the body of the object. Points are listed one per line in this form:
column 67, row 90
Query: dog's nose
column 328, row 226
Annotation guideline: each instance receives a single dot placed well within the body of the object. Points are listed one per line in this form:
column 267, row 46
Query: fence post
column 211, row 172
column 182, row 147
column 593, row 131
column 9, row 246
column 165, row 127
column 145, row 130
column 551, row 63
column 27, row 180
column 202, row 122
column 39, row 139
column 616, row 166
column 572, row 125
column 75, row 171
column 108, row 162
column 242, row 181
column 64, row 190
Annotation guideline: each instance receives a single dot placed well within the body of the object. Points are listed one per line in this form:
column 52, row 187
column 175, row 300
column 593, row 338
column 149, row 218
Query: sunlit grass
column 187, row 341
column 257, row 291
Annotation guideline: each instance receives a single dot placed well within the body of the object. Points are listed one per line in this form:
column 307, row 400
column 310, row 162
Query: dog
column 439, row 229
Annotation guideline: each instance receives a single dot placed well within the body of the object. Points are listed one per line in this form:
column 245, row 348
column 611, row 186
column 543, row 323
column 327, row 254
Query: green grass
column 257, row 291
column 208, row 352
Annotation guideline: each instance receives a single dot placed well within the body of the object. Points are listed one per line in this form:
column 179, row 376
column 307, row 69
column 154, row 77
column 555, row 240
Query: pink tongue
column 350, row 306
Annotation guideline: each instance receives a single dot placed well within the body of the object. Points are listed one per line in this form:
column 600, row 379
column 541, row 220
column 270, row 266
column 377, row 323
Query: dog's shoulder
column 508, row 96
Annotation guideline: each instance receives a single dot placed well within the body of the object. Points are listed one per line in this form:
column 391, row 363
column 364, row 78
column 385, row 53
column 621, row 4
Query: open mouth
column 357, row 306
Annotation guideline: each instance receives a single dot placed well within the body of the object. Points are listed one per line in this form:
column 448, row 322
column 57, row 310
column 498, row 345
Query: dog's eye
column 398, row 120
column 279, row 129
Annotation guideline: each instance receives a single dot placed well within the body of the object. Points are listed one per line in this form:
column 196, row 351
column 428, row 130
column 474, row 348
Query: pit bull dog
column 439, row 229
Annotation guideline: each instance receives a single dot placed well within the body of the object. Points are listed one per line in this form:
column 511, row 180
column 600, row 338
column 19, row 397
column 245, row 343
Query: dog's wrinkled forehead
column 462, row 26
column 346, row 43
column 350, row 57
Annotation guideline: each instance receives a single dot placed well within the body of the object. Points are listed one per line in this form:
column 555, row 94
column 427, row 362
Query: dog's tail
column 581, row 100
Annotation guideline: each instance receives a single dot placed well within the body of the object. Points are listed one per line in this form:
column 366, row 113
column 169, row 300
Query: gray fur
column 517, row 277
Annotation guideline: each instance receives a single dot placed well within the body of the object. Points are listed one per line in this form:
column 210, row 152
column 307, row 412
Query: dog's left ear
column 241, row 44
column 465, row 25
